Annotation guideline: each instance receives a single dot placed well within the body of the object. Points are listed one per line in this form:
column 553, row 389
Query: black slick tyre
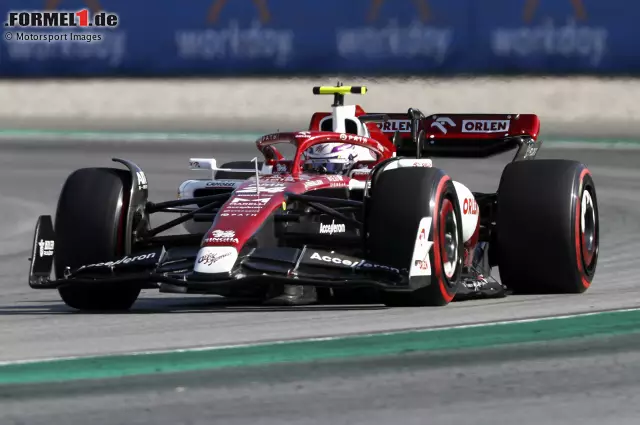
column 547, row 227
column 89, row 227
column 241, row 165
column 401, row 201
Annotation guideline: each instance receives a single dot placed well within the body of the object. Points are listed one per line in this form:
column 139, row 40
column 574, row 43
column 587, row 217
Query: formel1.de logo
column 49, row 17
column 45, row 34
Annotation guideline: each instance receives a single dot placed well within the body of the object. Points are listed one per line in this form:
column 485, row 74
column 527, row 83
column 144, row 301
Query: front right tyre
column 403, row 200
column 89, row 228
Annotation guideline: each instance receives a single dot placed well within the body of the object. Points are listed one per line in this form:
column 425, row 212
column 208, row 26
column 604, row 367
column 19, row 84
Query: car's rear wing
column 462, row 135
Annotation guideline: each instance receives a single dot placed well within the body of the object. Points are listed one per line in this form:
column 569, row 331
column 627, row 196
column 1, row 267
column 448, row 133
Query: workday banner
column 556, row 36
column 58, row 38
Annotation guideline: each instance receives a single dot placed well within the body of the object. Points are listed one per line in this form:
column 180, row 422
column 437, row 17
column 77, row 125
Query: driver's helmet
column 335, row 158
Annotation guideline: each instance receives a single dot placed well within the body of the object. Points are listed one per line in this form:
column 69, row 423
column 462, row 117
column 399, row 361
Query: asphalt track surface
column 35, row 324
column 588, row 382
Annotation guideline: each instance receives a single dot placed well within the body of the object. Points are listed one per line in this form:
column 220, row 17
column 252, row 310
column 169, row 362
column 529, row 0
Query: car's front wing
column 171, row 270
column 159, row 268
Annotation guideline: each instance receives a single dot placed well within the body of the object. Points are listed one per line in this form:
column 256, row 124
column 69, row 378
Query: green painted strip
column 612, row 323
column 137, row 136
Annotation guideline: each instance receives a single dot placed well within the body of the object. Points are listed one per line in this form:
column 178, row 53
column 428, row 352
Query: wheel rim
column 449, row 239
column 588, row 232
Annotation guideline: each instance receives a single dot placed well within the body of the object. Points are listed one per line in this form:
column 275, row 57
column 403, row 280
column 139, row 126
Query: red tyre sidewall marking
column 578, row 229
column 437, row 241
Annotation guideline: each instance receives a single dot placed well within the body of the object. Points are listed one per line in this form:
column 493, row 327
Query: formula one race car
column 292, row 231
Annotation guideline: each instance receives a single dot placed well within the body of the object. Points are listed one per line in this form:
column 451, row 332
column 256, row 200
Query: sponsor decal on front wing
column 211, row 257
column 354, row 263
column 420, row 263
column 215, row 259
column 46, row 248
column 125, row 260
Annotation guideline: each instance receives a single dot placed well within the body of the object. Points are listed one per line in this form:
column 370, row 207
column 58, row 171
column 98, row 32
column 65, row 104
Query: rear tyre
column 548, row 227
column 89, row 227
column 242, row 165
column 400, row 199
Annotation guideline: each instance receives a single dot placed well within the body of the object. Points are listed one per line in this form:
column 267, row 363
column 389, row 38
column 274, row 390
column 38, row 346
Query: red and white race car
column 276, row 229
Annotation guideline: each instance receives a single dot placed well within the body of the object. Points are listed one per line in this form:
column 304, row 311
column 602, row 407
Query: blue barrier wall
column 178, row 37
